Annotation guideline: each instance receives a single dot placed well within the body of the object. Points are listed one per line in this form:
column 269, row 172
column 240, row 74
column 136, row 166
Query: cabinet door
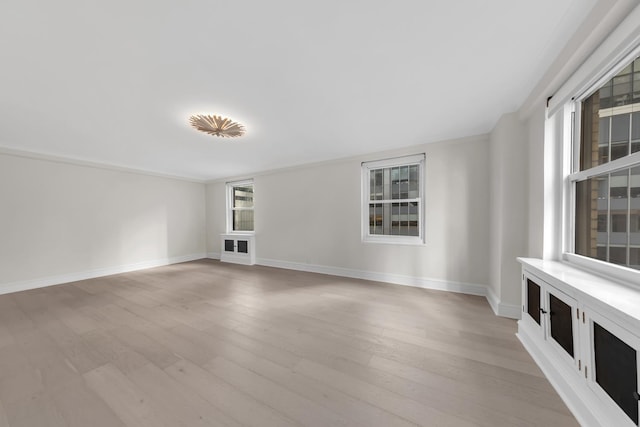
column 534, row 308
column 243, row 246
column 614, row 376
column 563, row 324
column 229, row 245
column 532, row 316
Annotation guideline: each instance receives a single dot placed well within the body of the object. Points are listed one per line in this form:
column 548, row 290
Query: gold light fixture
column 217, row 126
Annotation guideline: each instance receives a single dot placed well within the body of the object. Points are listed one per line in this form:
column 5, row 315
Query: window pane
column 243, row 196
column 634, row 258
column 635, row 128
column 414, row 183
column 636, row 84
column 376, row 218
column 587, row 216
column 608, row 134
column 376, row 182
column 622, row 90
column 604, row 95
column 372, row 185
column 386, row 179
column 618, row 255
column 634, row 190
column 243, row 220
column 620, row 126
column 404, row 182
column 395, row 183
column 634, row 208
column 608, row 217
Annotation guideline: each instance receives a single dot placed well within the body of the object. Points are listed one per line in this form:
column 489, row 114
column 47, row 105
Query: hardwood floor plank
column 81, row 407
column 298, row 408
column 351, row 408
column 486, row 389
column 389, row 401
column 36, row 410
column 81, row 357
column 108, row 350
column 233, row 402
column 3, row 417
column 20, row 384
column 151, row 350
column 183, row 405
column 131, row 405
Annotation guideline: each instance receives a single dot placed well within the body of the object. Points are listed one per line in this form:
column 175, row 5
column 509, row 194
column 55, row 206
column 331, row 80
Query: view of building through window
column 242, row 210
column 607, row 225
column 394, row 194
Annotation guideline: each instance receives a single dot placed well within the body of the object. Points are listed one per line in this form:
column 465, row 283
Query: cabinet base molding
column 578, row 398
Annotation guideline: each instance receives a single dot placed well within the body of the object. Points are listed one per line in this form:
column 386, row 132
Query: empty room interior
column 320, row 213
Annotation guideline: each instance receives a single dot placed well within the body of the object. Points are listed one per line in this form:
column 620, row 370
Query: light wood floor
column 205, row 343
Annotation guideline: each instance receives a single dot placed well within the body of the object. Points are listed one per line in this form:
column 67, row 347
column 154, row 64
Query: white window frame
column 230, row 208
column 418, row 159
column 573, row 174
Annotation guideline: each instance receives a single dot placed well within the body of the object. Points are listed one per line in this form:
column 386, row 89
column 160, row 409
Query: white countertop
column 589, row 287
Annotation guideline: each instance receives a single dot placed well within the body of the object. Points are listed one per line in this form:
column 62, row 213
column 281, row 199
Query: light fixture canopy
column 217, row 126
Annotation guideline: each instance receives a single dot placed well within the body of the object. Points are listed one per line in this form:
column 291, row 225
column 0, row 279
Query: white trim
column 619, row 273
column 622, row 47
column 42, row 282
column 622, row 41
column 625, row 162
column 500, row 309
column 394, row 161
column 418, row 159
column 621, row 109
column 229, row 208
column 398, row 279
column 98, row 165
column 213, row 255
column 599, row 22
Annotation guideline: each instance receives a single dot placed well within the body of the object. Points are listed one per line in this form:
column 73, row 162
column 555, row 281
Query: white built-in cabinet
column 238, row 248
column 583, row 331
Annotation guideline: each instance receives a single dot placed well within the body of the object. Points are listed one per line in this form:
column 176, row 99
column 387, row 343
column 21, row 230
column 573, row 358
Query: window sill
column 394, row 240
column 585, row 285
column 624, row 275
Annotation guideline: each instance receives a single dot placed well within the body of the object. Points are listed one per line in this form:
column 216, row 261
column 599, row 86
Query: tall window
column 240, row 206
column 393, row 200
column 607, row 171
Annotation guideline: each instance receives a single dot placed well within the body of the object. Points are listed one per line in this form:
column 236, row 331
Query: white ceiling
column 115, row 81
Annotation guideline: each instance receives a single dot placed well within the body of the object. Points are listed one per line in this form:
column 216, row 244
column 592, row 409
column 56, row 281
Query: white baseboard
column 419, row 282
column 213, row 255
column 24, row 285
column 501, row 309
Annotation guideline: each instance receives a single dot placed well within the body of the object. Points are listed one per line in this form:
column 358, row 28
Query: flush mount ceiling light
column 217, row 126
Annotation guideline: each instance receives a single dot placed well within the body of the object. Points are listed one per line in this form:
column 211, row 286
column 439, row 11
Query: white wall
column 535, row 134
column 311, row 216
column 61, row 221
column 509, row 212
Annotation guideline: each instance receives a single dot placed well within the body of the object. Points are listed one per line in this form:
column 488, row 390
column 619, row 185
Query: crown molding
column 92, row 164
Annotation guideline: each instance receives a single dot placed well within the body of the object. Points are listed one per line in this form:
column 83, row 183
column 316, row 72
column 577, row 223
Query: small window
column 393, row 206
column 240, row 206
